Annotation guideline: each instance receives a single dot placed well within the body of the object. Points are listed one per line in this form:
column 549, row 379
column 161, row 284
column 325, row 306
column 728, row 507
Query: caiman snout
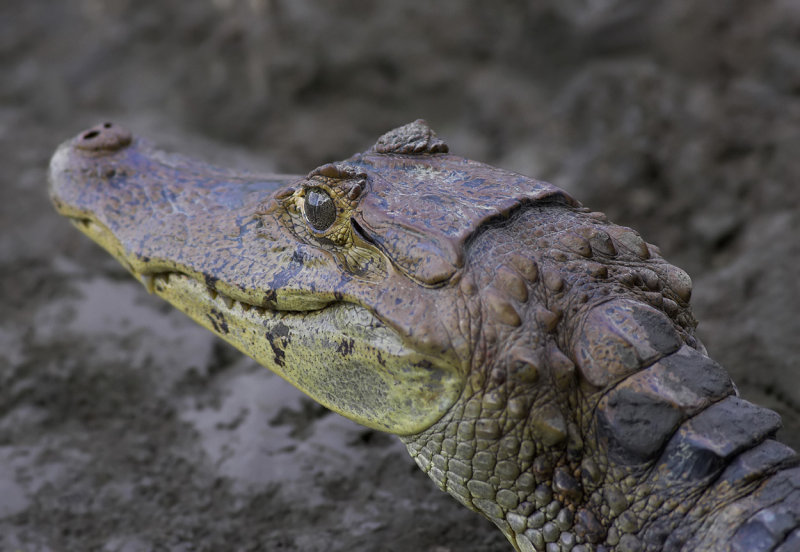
column 105, row 137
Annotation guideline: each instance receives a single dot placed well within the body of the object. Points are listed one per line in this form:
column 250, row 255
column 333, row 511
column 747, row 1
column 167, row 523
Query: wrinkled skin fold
column 538, row 361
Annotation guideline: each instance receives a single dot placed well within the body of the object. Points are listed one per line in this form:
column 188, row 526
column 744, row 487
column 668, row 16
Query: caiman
column 539, row 362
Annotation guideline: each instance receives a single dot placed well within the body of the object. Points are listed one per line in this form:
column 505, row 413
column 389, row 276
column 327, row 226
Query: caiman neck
column 641, row 465
column 494, row 465
column 588, row 418
column 577, row 500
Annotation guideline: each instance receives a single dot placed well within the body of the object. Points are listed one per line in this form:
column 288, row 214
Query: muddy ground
column 124, row 427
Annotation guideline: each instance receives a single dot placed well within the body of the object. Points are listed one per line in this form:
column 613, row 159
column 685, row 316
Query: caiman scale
column 538, row 361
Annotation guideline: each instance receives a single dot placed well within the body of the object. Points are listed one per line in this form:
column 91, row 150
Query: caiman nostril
column 106, row 137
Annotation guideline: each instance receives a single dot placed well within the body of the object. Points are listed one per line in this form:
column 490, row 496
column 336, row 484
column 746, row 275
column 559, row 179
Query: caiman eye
column 319, row 209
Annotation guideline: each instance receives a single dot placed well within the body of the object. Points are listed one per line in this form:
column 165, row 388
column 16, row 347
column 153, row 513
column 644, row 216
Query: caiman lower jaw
column 339, row 353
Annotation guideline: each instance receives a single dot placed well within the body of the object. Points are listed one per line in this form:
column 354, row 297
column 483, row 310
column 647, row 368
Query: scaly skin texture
column 538, row 361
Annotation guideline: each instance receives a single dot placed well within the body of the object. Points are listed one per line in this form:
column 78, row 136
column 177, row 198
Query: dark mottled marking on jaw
column 278, row 339
column 218, row 321
column 270, row 295
column 346, row 347
column 213, row 323
column 280, row 356
column 211, row 281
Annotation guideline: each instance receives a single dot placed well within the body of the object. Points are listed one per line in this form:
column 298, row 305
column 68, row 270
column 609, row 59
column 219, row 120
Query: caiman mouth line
column 158, row 282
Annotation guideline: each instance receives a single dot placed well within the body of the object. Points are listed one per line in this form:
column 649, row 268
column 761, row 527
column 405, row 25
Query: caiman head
column 347, row 282
column 537, row 360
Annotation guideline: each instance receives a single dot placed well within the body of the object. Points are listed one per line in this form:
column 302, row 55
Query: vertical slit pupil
column 319, row 209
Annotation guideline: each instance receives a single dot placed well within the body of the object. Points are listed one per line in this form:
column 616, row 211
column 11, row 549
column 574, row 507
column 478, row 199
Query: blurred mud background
column 124, row 427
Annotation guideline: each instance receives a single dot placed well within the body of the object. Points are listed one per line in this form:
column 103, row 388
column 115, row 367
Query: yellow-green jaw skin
column 369, row 374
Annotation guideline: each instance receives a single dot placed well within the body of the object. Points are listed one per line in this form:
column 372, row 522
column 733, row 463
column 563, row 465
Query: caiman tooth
column 227, row 300
column 149, row 282
column 245, row 306
column 212, row 292
column 160, row 281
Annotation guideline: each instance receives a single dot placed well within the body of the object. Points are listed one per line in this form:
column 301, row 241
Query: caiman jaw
column 190, row 233
column 288, row 341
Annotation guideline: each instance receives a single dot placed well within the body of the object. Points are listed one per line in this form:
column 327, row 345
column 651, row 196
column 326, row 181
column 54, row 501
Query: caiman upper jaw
column 160, row 214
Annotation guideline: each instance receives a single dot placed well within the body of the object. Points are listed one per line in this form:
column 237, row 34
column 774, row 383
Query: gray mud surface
column 124, row 427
